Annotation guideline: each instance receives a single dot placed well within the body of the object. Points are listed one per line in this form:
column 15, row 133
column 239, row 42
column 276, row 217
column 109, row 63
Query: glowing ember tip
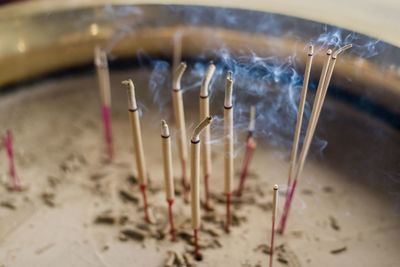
column 164, row 128
column 131, row 94
column 310, row 50
column 200, row 127
column 276, row 187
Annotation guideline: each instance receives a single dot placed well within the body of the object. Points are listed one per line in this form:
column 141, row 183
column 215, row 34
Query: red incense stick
column 228, row 213
column 274, row 215
column 171, row 218
column 8, row 145
column 184, row 182
column 251, row 146
column 207, row 192
column 285, row 214
column 196, row 246
column 103, row 75
column 143, row 188
column 108, row 132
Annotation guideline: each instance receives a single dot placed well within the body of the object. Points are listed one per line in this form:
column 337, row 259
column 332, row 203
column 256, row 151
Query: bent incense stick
column 205, row 137
column 137, row 143
column 103, row 75
column 179, row 114
column 195, row 180
column 7, row 141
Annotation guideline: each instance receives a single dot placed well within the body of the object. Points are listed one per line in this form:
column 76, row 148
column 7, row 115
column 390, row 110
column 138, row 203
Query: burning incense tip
column 100, row 58
column 340, row 50
column 164, row 128
column 310, row 50
column 176, row 82
column 252, row 123
column 200, row 127
column 276, row 187
column 131, row 94
column 228, row 91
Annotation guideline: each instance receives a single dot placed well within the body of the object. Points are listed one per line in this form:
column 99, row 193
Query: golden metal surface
column 40, row 37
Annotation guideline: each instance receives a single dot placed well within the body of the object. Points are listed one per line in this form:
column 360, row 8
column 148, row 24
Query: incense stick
column 274, row 215
column 180, row 123
column 195, row 180
column 322, row 89
column 7, row 141
column 295, row 146
column 103, row 75
column 228, row 145
column 137, row 143
column 205, row 137
column 168, row 175
column 251, row 146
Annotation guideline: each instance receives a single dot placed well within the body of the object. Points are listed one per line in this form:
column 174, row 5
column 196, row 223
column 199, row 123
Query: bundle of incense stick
column 228, row 146
column 103, row 75
column 326, row 74
column 180, row 123
column 274, row 215
column 251, row 146
column 7, row 141
column 168, row 173
column 195, row 180
column 205, row 137
column 137, row 143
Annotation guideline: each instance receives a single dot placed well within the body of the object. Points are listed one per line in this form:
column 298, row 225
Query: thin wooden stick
column 137, row 143
column 316, row 111
column 205, row 137
column 7, row 141
column 195, row 180
column 168, row 172
column 180, row 123
column 274, row 215
column 295, row 146
column 251, row 146
column 103, row 75
column 228, row 145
